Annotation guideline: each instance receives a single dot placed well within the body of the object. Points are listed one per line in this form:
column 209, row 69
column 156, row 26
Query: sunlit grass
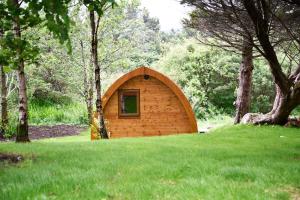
column 241, row 162
column 215, row 122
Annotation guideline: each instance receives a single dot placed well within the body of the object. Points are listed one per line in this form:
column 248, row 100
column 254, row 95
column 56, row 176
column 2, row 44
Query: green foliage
column 11, row 46
column 239, row 162
column 11, row 128
column 209, row 77
column 125, row 42
column 263, row 88
column 55, row 77
column 52, row 14
column 99, row 5
column 296, row 112
column 128, row 37
column 50, row 78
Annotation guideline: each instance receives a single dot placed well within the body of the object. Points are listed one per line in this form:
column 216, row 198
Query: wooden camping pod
column 162, row 109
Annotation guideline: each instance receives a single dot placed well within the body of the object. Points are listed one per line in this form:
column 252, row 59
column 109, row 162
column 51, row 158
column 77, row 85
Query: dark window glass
column 129, row 103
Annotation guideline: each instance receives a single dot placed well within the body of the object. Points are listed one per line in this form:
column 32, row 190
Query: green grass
column 215, row 122
column 241, row 162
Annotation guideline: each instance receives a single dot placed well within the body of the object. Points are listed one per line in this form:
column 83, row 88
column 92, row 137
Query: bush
column 296, row 112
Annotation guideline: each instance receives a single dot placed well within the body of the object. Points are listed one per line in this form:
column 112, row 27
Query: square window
column 129, row 103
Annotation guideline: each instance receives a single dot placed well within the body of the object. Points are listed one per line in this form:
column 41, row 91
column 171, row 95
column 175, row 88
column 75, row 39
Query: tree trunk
column 4, row 113
column 283, row 105
column 245, row 81
column 94, row 44
column 276, row 100
column 22, row 128
column 90, row 96
column 288, row 88
column 88, row 92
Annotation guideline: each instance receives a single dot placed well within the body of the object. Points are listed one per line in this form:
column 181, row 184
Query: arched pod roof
column 147, row 71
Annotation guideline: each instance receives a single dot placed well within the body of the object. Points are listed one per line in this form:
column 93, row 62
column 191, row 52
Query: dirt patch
column 41, row 132
column 11, row 158
column 291, row 192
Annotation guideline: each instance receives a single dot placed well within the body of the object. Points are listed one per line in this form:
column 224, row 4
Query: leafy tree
column 274, row 28
column 17, row 16
column 57, row 78
column 97, row 7
column 150, row 22
column 219, row 24
column 115, row 39
column 285, row 16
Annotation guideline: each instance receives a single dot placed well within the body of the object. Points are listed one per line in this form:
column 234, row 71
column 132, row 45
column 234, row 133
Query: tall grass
column 74, row 113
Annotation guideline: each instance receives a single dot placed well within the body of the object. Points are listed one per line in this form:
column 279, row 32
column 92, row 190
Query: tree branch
column 261, row 29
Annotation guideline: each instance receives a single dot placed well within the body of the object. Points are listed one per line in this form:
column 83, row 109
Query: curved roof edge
column 147, row 71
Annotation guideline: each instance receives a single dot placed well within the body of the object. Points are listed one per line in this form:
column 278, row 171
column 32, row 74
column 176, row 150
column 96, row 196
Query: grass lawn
column 241, row 162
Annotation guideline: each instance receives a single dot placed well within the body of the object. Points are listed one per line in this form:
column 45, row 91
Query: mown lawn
column 231, row 163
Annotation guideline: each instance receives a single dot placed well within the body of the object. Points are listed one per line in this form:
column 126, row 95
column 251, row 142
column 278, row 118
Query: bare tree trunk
column 276, row 100
column 283, row 111
column 88, row 92
column 279, row 115
column 245, row 81
column 284, row 104
column 94, row 44
column 4, row 113
column 22, row 129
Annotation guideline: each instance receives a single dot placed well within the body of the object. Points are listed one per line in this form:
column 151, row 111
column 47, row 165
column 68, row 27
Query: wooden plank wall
column 161, row 112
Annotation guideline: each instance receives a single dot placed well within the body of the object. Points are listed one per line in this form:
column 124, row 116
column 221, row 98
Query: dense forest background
column 58, row 81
